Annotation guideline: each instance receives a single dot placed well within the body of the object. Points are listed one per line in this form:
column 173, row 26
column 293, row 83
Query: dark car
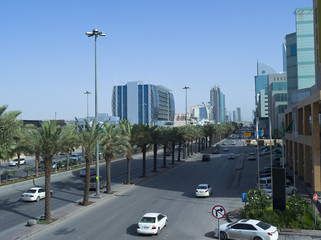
column 206, row 158
column 216, row 150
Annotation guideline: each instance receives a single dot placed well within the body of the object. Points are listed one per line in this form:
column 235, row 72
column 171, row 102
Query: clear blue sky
column 47, row 61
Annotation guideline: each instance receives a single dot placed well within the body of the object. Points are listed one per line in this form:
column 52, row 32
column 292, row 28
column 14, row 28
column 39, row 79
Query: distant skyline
column 47, row 61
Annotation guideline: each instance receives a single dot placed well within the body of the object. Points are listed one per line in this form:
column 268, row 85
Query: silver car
column 247, row 229
column 15, row 162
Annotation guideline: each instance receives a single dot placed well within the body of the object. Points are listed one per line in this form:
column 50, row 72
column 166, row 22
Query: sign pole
column 219, row 237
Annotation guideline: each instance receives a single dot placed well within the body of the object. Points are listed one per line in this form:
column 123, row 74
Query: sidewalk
column 23, row 231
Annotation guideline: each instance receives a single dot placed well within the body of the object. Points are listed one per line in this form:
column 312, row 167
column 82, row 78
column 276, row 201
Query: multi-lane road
column 171, row 192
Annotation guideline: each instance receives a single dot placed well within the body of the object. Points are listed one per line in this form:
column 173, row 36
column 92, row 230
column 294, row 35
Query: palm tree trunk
column 0, row 172
column 155, row 157
column 179, row 151
column 67, row 162
column 128, row 169
column 173, row 153
column 37, row 162
column 18, row 155
column 144, row 161
column 87, row 179
column 184, row 150
column 199, row 145
column 187, row 148
column 164, row 157
column 48, row 167
column 108, row 178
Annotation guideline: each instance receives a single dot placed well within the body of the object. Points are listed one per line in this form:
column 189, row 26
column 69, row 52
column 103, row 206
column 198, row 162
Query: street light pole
column 87, row 92
column 96, row 33
column 186, row 103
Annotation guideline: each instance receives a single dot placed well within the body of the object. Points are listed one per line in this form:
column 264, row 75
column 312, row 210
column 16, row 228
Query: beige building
column 303, row 139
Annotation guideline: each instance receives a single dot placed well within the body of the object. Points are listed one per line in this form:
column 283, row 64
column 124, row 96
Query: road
column 171, row 193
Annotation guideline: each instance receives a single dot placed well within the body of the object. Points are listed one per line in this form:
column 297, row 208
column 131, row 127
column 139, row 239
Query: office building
column 238, row 114
column 302, row 117
column 277, row 84
column 142, row 103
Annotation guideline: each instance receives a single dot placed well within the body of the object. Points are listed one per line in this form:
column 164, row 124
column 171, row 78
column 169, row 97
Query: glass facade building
column 143, row 103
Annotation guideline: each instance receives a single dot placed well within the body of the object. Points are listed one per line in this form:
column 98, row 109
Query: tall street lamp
column 87, row 92
column 96, row 33
column 186, row 103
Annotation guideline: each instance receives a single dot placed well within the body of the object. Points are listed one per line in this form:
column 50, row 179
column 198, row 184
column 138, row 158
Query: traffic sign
column 244, row 199
column 315, row 197
column 247, row 134
column 218, row 212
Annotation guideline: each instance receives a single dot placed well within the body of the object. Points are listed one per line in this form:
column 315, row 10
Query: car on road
column 266, row 181
column 289, row 190
column 223, row 143
column 225, row 149
column 151, row 223
column 247, row 229
column 233, row 142
column 203, row 190
column 35, row 194
column 251, row 156
column 82, row 172
column 231, row 156
column 14, row 162
column 206, row 158
column 216, row 150
column 93, row 183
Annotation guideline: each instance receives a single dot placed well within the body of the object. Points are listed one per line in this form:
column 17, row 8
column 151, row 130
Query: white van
column 266, row 181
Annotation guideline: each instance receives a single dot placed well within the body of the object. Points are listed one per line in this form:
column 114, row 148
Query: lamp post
column 96, row 33
column 87, row 92
column 186, row 103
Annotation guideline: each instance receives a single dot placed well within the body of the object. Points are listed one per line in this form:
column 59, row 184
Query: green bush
column 257, row 203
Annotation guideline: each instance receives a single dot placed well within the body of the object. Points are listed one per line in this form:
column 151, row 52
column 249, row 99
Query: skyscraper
column 215, row 98
column 238, row 114
column 143, row 103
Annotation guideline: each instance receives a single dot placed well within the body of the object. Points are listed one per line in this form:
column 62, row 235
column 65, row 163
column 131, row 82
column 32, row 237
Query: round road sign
column 315, row 197
column 218, row 212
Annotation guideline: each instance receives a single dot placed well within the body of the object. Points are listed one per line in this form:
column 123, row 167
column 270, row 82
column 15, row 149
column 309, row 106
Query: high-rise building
column 234, row 116
column 238, row 114
column 222, row 107
column 277, row 102
column 143, row 103
column 300, row 56
column 215, row 97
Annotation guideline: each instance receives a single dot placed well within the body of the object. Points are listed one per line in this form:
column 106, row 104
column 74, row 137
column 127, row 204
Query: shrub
column 257, row 203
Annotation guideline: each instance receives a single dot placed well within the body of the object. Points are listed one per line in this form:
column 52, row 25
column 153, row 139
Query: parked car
column 247, row 229
column 151, row 223
column 289, row 190
column 35, row 194
column 206, row 158
column 216, row 150
column 14, row 162
column 169, row 152
column 82, row 172
column 231, row 156
column 93, row 183
column 203, row 190
column 251, row 156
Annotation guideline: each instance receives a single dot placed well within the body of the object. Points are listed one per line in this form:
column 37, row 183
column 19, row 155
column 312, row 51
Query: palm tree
column 142, row 138
column 49, row 135
column 69, row 141
column 8, row 126
column 164, row 140
column 33, row 144
column 155, row 140
column 174, row 135
column 89, row 135
column 127, row 132
column 181, row 137
column 112, row 143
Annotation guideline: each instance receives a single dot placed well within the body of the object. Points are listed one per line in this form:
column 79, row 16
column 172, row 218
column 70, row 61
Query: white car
column 203, row 190
column 15, row 162
column 289, row 190
column 151, row 223
column 35, row 194
column 247, row 229
column 231, row 156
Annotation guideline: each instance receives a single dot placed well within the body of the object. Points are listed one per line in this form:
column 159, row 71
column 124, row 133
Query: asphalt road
column 171, row 193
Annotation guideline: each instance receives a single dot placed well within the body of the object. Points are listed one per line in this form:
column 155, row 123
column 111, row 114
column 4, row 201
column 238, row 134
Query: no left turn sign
column 218, row 212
